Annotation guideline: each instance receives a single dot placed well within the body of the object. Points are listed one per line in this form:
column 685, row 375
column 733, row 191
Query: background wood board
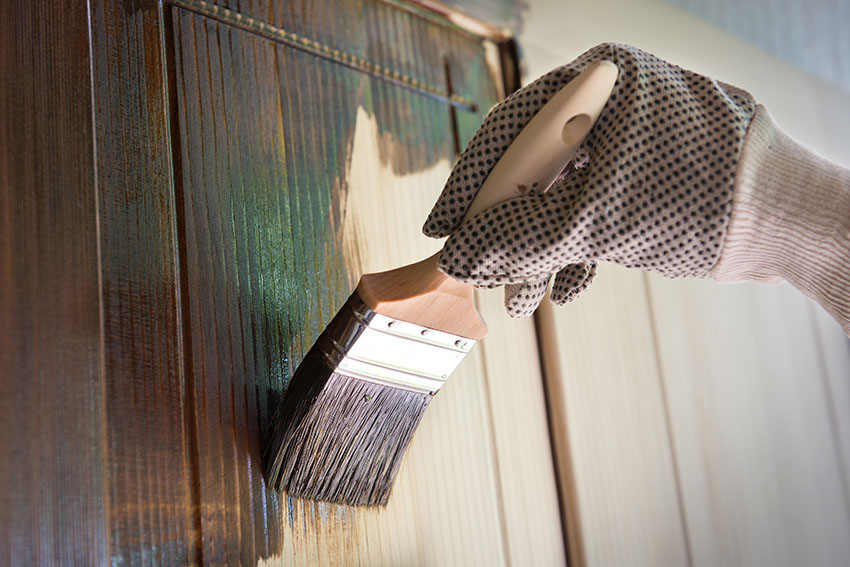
column 758, row 458
column 742, row 414
column 52, row 447
column 611, row 438
column 520, row 434
column 813, row 113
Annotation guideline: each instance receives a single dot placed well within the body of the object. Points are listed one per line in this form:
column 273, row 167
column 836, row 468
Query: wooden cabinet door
column 248, row 161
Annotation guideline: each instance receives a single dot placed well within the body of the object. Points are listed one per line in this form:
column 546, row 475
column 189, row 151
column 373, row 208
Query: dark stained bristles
column 340, row 439
column 349, row 443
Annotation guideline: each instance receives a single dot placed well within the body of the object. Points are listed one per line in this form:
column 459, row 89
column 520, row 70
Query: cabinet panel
column 190, row 191
column 52, row 449
column 758, row 457
column 150, row 475
column 612, row 441
column 296, row 174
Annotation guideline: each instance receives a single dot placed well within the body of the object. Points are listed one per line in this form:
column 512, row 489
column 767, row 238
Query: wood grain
column 758, row 460
column 612, row 442
column 525, row 468
column 169, row 253
column 152, row 509
column 297, row 175
column 52, row 448
column 228, row 184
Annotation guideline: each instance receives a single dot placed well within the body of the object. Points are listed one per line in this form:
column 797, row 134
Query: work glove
column 652, row 188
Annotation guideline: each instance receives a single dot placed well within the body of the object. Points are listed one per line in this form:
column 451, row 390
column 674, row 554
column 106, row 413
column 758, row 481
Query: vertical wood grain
column 151, row 512
column 612, row 441
column 156, row 319
column 52, row 447
column 758, row 459
column 297, row 175
column 230, row 385
column 528, row 487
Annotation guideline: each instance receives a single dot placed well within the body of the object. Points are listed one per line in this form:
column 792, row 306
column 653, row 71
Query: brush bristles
column 340, row 439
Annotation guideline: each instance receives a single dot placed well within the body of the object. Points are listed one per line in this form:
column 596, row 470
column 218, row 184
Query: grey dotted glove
column 655, row 192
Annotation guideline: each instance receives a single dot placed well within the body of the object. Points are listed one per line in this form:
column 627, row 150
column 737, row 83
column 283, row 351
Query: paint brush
column 353, row 404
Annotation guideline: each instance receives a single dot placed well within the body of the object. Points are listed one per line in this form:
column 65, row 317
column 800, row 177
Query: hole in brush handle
column 576, row 129
column 544, row 147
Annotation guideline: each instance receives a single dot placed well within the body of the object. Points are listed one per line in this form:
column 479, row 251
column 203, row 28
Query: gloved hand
column 655, row 192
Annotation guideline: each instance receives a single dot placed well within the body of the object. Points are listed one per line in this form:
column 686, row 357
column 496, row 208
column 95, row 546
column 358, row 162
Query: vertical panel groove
column 100, row 290
column 668, row 423
column 172, row 69
column 558, row 442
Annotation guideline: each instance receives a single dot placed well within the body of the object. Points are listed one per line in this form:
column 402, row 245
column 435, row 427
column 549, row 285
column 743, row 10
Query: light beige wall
column 809, row 109
column 698, row 423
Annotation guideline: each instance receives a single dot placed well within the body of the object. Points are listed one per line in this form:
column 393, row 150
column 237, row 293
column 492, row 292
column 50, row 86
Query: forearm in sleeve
column 790, row 219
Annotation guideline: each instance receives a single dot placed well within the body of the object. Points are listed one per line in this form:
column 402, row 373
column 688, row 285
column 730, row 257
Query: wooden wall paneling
column 507, row 14
column 835, row 352
column 52, row 453
column 298, row 175
column 758, row 459
column 390, row 179
column 151, row 505
column 517, row 406
column 612, row 445
column 444, row 508
column 230, row 174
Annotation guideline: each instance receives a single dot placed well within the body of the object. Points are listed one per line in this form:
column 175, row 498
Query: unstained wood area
column 696, row 424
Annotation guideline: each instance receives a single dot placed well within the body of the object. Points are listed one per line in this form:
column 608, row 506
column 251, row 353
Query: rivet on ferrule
column 369, row 346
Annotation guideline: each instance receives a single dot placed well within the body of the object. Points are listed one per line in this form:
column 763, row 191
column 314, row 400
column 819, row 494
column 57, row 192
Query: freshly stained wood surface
column 151, row 504
column 52, row 449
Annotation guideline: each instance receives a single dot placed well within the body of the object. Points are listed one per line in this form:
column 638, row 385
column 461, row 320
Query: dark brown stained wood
column 263, row 272
column 52, row 453
column 152, row 513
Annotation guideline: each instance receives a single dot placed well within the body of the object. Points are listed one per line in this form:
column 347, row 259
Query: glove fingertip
column 521, row 300
column 434, row 230
column 571, row 282
column 436, row 226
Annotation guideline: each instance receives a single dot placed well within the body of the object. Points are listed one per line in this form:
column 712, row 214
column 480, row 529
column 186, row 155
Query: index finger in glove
column 499, row 129
column 522, row 299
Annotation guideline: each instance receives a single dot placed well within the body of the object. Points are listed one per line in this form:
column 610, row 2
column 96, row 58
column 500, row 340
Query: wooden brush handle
column 541, row 151
column 421, row 294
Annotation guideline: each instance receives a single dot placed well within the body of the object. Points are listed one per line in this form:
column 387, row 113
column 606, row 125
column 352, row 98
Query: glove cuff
column 790, row 219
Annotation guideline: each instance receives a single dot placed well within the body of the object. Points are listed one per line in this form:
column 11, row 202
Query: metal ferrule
column 368, row 346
